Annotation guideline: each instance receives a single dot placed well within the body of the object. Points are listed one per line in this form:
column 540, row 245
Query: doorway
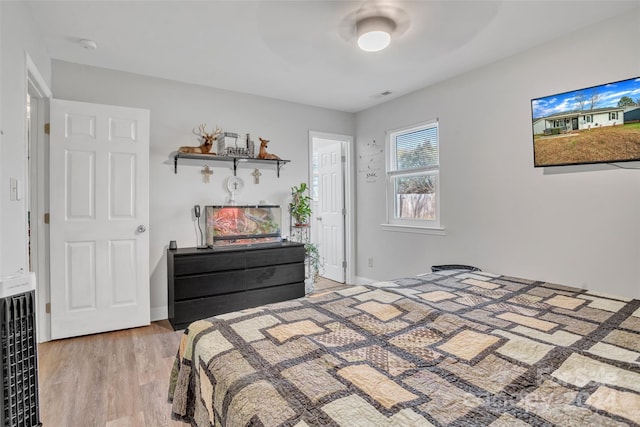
column 332, row 193
column 36, row 198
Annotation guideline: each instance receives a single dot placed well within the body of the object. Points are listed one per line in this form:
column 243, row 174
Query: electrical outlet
column 371, row 262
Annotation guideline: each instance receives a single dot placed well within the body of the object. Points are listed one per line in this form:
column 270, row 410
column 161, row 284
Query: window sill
column 438, row 231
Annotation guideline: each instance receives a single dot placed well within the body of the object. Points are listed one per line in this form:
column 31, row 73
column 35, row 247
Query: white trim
column 349, row 196
column 41, row 84
column 414, row 126
column 37, row 179
column 37, row 173
column 159, row 313
column 408, row 173
column 438, row 231
column 364, row 280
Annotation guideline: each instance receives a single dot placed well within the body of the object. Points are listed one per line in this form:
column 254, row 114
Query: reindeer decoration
column 208, row 138
column 263, row 151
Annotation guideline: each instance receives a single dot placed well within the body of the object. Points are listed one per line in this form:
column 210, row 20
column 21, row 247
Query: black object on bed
column 453, row 267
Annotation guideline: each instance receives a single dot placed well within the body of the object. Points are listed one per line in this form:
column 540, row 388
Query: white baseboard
column 364, row 280
column 159, row 313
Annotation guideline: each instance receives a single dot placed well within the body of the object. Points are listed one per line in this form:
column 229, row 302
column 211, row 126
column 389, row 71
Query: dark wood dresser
column 207, row 282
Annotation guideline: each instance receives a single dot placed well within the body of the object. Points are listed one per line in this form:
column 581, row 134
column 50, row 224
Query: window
column 613, row 116
column 589, row 118
column 413, row 176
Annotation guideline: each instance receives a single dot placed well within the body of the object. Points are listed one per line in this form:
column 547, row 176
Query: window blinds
column 417, row 149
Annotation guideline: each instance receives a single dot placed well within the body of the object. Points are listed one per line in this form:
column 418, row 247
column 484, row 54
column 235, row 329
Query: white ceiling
column 305, row 51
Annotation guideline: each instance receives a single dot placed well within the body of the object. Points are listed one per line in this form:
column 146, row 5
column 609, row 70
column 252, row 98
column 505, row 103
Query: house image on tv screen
column 578, row 120
column 599, row 124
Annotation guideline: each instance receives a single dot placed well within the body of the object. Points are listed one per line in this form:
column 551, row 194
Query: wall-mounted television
column 598, row 124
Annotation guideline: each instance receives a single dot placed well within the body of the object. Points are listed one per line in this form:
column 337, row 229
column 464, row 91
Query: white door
column 330, row 216
column 99, row 206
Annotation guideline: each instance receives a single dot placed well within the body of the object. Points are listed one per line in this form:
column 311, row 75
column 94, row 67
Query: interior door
column 99, row 210
column 331, row 213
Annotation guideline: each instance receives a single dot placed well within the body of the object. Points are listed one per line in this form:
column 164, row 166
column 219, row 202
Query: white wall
column 576, row 225
column 177, row 108
column 1, row 135
column 19, row 36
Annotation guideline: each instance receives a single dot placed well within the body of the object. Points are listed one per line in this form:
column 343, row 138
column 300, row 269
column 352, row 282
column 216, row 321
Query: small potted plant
column 300, row 206
column 315, row 263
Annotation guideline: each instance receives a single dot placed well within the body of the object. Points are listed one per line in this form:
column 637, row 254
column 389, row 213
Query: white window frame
column 404, row 224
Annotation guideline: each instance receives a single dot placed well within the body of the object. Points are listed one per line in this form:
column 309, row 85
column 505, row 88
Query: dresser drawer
column 188, row 311
column 195, row 264
column 206, row 282
column 223, row 282
column 265, row 257
column 264, row 277
column 256, row 297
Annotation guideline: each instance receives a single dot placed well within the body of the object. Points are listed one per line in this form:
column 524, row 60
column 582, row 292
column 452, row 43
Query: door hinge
column 47, row 308
column 47, row 128
column 344, row 264
column 46, row 218
column 344, row 159
column 344, row 211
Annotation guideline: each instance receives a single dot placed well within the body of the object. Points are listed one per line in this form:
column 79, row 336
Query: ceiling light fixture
column 374, row 33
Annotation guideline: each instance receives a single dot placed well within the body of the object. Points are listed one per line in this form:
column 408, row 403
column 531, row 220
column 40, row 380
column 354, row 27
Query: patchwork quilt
column 453, row 348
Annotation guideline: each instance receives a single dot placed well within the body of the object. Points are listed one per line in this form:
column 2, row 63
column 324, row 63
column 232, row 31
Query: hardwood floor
column 115, row 379
column 325, row 284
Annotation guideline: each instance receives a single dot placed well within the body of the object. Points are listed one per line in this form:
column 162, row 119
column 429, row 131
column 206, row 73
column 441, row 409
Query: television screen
column 599, row 124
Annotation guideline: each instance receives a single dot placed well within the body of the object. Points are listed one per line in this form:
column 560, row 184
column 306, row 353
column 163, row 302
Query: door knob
column 319, row 218
column 142, row 228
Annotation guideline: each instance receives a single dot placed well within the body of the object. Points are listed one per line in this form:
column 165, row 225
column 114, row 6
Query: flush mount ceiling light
column 374, row 33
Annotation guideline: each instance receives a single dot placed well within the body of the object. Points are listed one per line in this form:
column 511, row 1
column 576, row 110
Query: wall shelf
column 235, row 160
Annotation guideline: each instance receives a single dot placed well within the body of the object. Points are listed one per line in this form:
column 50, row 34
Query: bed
column 454, row 348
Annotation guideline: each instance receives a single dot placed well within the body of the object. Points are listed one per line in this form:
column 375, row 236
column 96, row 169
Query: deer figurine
column 208, row 138
column 263, row 151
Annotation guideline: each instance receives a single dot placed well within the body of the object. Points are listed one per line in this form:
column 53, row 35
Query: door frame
column 37, row 176
column 349, row 195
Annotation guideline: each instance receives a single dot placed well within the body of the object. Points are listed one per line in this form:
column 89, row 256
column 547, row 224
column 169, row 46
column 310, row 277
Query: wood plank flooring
column 325, row 284
column 115, row 379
